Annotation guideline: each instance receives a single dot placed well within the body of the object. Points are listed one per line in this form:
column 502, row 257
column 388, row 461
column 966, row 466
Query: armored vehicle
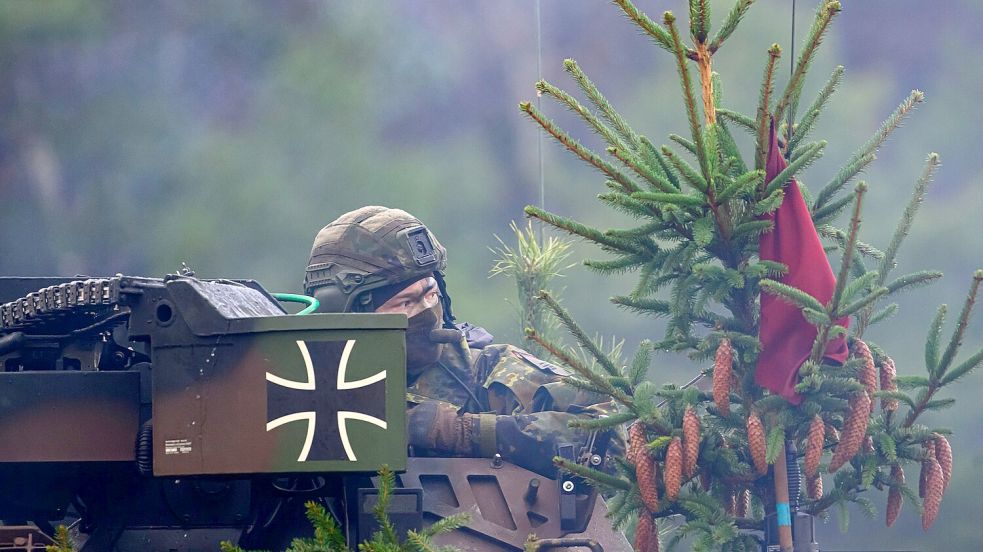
column 175, row 413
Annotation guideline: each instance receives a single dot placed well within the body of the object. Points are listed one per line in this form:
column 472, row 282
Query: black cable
column 145, row 449
column 445, row 301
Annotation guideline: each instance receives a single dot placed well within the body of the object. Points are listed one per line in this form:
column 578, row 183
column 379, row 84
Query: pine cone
column 674, row 468
column 922, row 477
column 645, row 473
column 636, row 442
column 723, row 367
column 814, row 446
column 742, row 503
column 894, row 497
column 691, row 441
column 888, row 375
column 854, row 429
column 934, row 487
column 943, row 453
column 929, row 447
column 868, row 372
column 757, row 444
column 814, row 487
column 646, row 534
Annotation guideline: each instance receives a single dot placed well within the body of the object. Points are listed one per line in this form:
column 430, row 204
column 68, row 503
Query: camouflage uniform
column 476, row 398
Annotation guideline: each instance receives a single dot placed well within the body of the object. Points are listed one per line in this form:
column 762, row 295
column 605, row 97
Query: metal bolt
column 595, row 460
column 568, row 486
column 497, row 461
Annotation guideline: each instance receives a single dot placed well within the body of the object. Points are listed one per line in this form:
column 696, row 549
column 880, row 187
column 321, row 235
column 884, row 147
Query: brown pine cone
column 742, row 503
column 636, row 441
column 934, row 487
column 814, row 446
column 645, row 473
column 922, row 478
column 757, row 444
column 943, row 453
column 814, row 486
column 691, row 441
column 868, row 372
column 645, row 533
column 894, row 497
column 723, row 367
column 854, row 429
column 888, row 375
column 730, row 506
column 674, row 468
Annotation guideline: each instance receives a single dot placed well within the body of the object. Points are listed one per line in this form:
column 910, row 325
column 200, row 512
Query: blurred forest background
column 224, row 134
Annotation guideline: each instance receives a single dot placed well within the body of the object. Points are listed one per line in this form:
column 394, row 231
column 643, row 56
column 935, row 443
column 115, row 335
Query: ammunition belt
column 80, row 297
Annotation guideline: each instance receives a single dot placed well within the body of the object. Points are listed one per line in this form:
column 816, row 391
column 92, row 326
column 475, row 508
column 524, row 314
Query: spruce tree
column 697, row 209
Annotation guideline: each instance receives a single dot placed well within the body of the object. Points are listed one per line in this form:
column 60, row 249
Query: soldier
column 466, row 396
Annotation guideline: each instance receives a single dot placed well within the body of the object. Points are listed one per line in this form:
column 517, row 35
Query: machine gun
column 175, row 413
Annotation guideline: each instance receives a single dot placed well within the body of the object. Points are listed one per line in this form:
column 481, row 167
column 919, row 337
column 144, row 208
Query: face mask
column 421, row 349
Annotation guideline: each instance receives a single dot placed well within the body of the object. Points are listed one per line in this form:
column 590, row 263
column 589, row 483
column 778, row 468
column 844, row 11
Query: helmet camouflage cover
column 367, row 249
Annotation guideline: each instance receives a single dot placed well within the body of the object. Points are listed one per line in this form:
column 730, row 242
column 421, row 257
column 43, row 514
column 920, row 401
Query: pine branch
column 863, row 156
column 824, row 16
column 763, row 118
column 792, row 295
column 938, row 373
column 957, row 336
column 830, row 211
column 810, row 155
column 904, row 226
column 689, row 100
column 607, row 110
column 805, row 125
column 578, row 333
column 655, row 154
column 592, row 475
column 600, row 383
column 658, row 34
column 828, row 331
column 681, row 200
column 699, row 19
column 683, row 168
column 641, row 169
column 583, row 231
column 932, row 341
column 575, row 106
column 729, row 150
column 739, row 119
column 587, row 155
column 730, row 24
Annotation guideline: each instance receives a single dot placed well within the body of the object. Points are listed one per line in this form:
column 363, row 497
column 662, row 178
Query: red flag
column 786, row 336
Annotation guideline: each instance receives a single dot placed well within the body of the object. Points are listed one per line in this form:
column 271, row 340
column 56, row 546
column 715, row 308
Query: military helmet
column 372, row 249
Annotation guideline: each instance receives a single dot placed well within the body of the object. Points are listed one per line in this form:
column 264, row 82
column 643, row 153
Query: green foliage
column 63, row 541
column 533, row 264
column 695, row 253
column 328, row 536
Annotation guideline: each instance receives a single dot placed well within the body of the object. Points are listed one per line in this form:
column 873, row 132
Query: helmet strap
column 445, row 300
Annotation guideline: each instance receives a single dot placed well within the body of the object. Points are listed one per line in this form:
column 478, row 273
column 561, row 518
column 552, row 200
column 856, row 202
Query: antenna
column 539, row 106
column 791, row 73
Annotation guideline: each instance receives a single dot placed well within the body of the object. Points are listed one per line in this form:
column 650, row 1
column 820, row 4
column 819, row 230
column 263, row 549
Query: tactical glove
column 436, row 426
